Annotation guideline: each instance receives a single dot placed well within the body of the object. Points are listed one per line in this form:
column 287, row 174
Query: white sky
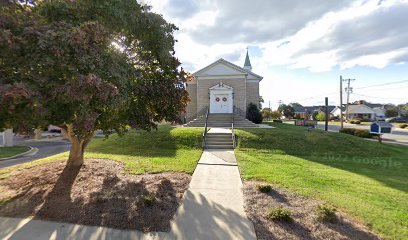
column 299, row 47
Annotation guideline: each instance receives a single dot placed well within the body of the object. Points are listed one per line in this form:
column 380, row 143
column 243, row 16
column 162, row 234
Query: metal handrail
column 232, row 128
column 205, row 127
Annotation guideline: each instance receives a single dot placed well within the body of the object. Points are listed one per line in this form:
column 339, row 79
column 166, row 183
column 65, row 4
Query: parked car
column 397, row 120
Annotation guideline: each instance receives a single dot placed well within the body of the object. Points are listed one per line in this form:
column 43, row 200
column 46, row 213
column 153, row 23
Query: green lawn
column 11, row 151
column 365, row 179
column 168, row 149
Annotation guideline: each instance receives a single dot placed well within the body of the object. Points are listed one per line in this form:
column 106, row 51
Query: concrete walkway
column 212, row 209
column 213, row 205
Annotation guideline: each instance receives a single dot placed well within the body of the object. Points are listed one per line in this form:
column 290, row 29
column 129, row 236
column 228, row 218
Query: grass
column 6, row 152
column 365, row 179
column 168, row 149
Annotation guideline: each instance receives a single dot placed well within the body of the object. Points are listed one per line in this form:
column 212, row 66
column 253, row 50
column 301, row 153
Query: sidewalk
column 213, row 205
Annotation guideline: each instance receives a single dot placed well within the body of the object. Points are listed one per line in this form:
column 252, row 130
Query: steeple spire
column 247, row 64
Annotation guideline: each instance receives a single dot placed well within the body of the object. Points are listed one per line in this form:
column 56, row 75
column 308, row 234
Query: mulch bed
column 303, row 211
column 100, row 193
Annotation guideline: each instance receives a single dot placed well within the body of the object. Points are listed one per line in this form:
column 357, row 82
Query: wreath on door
column 217, row 99
column 224, row 99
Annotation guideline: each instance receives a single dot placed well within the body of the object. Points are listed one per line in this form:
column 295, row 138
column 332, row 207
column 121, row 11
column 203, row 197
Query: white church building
column 223, row 87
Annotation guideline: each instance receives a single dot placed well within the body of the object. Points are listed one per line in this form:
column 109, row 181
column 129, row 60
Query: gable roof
column 239, row 69
column 311, row 109
column 361, row 108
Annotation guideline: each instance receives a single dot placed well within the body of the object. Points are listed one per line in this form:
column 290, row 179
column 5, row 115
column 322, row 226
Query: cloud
column 182, row 9
column 258, row 21
column 317, row 35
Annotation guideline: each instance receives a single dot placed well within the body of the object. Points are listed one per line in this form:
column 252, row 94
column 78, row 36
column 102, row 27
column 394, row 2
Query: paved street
column 46, row 148
column 398, row 135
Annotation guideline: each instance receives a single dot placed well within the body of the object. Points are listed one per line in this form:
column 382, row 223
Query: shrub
column 279, row 214
column 348, row 131
column 264, row 188
column 403, row 125
column 355, row 121
column 326, row 213
column 149, row 199
column 357, row 132
column 253, row 114
column 362, row 133
column 277, row 120
column 321, row 116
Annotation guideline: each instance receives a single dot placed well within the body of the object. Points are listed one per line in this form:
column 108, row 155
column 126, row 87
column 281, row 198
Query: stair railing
column 205, row 127
column 232, row 128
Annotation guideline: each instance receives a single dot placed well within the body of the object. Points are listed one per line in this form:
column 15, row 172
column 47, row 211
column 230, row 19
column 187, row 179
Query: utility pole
column 349, row 90
column 341, row 102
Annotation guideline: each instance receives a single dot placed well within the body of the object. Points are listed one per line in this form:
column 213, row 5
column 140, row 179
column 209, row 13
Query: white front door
column 221, row 103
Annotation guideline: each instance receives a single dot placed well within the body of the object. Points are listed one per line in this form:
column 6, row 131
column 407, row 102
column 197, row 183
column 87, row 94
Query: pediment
column 220, row 68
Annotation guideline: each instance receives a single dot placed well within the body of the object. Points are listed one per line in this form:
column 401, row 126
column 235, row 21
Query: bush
column 363, row 133
column 403, row 125
column 348, row 131
column 253, row 114
column 355, row 121
column 264, row 188
column 321, row 116
column 277, row 120
column 357, row 132
column 326, row 213
column 279, row 214
column 149, row 199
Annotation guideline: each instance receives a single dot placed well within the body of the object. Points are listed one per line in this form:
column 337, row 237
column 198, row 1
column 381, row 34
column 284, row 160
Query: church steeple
column 247, row 64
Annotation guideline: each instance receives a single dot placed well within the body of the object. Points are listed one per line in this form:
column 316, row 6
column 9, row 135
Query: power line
column 383, row 84
column 362, row 95
column 385, row 89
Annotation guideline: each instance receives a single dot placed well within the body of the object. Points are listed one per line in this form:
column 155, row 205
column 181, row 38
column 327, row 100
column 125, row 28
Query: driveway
column 46, row 147
column 398, row 135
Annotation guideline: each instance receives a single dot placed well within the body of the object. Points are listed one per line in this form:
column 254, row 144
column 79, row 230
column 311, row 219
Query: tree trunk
column 38, row 134
column 76, row 154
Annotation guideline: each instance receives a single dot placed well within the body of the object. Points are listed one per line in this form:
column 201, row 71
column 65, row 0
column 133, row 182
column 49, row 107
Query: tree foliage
column 86, row 65
column 286, row 110
column 321, row 116
column 253, row 113
column 391, row 112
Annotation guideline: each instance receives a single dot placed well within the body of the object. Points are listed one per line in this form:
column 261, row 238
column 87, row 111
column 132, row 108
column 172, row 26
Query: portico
column 221, row 98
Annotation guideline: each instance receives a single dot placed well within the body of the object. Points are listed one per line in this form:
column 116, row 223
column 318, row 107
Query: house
column 363, row 111
column 223, row 87
column 307, row 111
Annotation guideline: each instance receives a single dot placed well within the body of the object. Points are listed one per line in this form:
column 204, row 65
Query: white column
column 8, row 138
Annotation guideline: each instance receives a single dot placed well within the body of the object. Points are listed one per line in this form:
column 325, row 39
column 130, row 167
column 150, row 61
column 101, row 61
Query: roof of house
column 360, row 109
column 311, row 109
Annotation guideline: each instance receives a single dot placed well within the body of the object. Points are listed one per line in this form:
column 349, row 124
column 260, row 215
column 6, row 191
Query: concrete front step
column 219, row 147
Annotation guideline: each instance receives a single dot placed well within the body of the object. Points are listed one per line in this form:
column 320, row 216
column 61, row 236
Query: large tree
column 85, row 65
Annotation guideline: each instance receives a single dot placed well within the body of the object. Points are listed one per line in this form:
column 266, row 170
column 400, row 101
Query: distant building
column 306, row 112
column 369, row 111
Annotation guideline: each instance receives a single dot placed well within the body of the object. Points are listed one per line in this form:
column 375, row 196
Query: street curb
column 31, row 150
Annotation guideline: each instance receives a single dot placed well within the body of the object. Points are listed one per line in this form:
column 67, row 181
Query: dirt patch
column 100, row 193
column 303, row 211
